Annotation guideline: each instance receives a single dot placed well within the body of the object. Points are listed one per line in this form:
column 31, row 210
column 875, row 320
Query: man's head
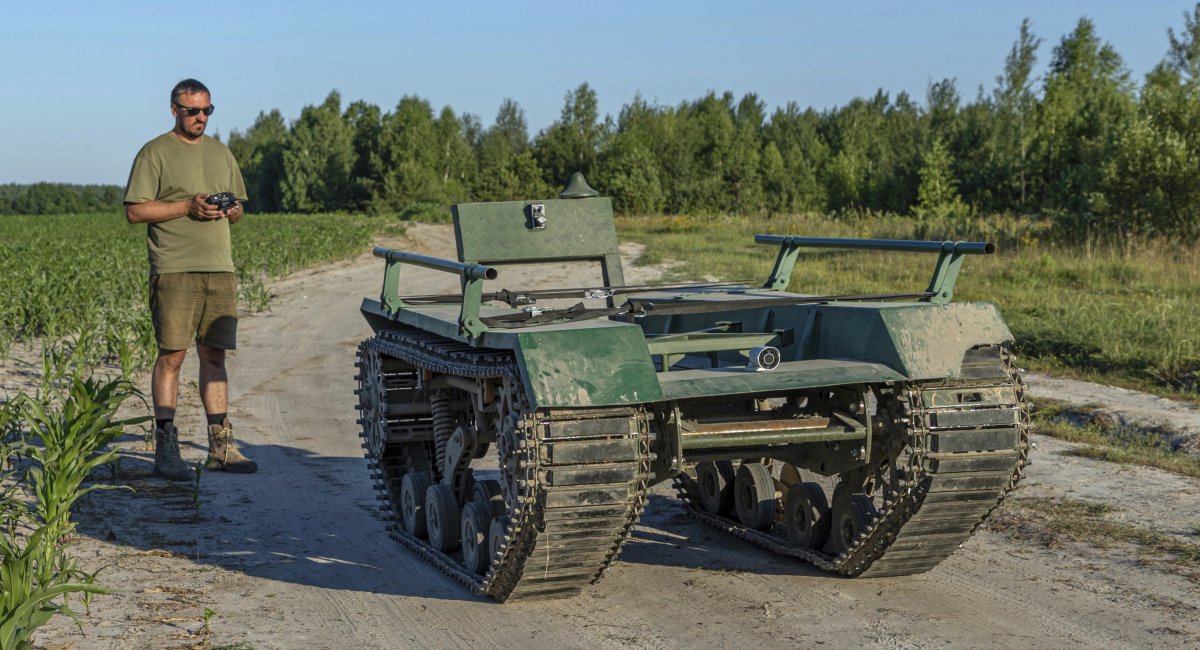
column 191, row 106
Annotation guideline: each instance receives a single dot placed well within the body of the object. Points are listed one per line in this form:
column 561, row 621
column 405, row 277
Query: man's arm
column 159, row 211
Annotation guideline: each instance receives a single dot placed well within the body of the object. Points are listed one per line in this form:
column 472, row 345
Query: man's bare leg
column 164, row 383
column 164, row 389
column 214, row 381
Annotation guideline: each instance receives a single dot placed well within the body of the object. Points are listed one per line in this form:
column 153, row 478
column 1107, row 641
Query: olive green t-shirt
column 167, row 169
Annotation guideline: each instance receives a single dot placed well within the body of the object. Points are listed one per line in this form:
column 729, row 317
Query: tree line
column 58, row 198
column 1083, row 144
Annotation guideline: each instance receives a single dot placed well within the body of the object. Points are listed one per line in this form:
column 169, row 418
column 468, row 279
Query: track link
column 968, row 440
column 574, row 480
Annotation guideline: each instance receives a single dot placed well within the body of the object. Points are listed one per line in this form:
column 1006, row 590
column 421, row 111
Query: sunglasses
column 192, row 111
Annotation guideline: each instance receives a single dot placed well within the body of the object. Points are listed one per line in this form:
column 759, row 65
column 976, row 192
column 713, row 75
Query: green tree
column 509, row 134
column 773, row 172
column 795, row 135
column 942, row 107
column 707, row 134
column 259, row 153
column 572, row 143
column 507, row 168
column 1015, row 121
column 318, row 159
column 455, row 162
column 938, row 197
column 1088, row 102
column 851, row 134
column 365, row 122
column 408, row 158
column 1155, row 187
column 742, row 181
column 875, row 153
column 645, row 161
column 628, row 173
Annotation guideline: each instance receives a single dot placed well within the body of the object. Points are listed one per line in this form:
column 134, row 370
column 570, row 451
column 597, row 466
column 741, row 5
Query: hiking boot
column 223, row 454
column 167, row 462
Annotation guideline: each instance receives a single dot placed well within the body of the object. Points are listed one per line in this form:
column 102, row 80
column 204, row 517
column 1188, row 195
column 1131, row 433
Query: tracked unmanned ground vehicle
column 866, row 434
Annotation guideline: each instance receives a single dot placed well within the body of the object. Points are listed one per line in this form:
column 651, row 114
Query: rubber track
column 566, row 529
column 937, row 509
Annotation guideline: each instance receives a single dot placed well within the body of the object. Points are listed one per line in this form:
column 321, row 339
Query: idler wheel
column 850, row 516
column 806, row 515
column 442, row 517
column 487, row 492
column 715, row 481
column 476, row 528
column 412, row 502
column 498, row 535
column 754, row 496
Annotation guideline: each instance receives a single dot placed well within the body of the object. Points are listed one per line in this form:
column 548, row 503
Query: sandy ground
column 296, row 555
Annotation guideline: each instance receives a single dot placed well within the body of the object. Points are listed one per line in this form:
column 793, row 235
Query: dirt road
column 297, row 557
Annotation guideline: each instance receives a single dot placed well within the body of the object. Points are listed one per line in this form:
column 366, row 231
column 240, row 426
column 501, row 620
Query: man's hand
column 200, row 208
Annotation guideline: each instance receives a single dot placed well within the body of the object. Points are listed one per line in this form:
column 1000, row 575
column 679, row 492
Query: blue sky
column 84, row 84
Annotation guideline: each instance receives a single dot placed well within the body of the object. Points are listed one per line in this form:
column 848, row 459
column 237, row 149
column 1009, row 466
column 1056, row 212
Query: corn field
column 62, row 275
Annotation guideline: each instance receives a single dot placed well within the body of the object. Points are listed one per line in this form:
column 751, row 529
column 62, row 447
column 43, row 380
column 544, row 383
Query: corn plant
column 206, row 629
column 72, row 430
column 11, row 507
column 30, row 586
column 67, row 428
column 34, row 574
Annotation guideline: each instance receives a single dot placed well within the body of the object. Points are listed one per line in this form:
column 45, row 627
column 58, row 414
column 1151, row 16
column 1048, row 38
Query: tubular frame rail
column 945, row 271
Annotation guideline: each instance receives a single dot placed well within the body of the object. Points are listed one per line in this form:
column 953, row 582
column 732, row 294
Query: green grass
column 1120, row 314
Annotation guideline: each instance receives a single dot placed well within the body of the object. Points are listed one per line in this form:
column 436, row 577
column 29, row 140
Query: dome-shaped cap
column 577, row 188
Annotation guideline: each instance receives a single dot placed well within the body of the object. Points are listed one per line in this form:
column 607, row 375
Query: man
column 193, row 289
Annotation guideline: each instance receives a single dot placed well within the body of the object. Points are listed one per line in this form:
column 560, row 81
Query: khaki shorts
column 200, row 306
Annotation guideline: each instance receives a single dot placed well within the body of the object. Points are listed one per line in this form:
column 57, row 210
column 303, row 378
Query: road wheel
column 806, row 515
column 476, row 527
column 715, row 480
column 754, row 496
column 412, row 502
column 487, row 492
column 442, row 517
column 851, row 515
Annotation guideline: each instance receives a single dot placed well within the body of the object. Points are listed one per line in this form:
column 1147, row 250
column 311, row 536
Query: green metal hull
column 607, row 363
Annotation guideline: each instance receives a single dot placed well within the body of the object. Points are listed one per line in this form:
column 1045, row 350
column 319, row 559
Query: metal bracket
column 468, row 318
column 945, row 274
column 537, row 217
column 389, row 297
column 781, row 273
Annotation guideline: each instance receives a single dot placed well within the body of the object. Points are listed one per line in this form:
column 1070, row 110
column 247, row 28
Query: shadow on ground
column 315, row 520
